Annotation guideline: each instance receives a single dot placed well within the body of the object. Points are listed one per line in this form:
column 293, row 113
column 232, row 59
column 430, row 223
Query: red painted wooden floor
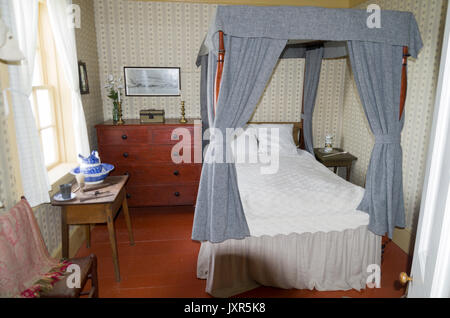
column 163, row 261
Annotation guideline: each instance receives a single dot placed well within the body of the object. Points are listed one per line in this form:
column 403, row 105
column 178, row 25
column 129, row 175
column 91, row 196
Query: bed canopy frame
column 238, row 57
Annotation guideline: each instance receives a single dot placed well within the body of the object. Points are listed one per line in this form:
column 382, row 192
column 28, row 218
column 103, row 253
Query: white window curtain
column 24, row 24
column 64, row 35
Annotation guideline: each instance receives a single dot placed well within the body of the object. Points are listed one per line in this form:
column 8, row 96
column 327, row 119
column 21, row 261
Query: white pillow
column 268, row 139
column 244, row 146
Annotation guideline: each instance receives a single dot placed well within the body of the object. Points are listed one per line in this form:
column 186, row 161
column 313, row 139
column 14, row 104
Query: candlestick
column 120, row 121
column 183, row 113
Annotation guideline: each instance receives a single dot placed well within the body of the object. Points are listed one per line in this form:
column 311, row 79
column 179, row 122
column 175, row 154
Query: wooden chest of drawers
column 145, row 152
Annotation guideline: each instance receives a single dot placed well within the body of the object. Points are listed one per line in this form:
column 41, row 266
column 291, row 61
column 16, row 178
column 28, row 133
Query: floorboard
column 163, row 261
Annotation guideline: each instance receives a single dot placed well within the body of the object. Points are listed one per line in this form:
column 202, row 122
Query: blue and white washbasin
column 95, row 178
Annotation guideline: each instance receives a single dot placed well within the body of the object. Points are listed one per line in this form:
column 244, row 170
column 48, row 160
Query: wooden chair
column 88, row 266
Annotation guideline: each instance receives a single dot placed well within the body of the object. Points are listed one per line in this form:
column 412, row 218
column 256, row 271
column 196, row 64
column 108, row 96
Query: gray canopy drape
column 313, row 65
column 255, row 37
column 249, row 63
column 202, row 61
column 377, row 69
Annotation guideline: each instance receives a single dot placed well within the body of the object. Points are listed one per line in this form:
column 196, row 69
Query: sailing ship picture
column 152, row 81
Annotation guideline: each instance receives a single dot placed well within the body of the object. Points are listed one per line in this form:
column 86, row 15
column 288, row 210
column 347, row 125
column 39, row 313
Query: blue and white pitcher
column 91, row 164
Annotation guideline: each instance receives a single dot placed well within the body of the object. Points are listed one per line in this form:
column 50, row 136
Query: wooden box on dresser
column 144, row 152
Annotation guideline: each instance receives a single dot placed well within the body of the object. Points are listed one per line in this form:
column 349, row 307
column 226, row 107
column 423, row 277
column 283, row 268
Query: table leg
column 64, row 234
column 349, row 171
column 88, row 236
column 112, row 239
column 127, row 220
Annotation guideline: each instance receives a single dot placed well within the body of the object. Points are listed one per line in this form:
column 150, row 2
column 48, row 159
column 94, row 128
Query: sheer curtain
column 64, row 35
column 32, row 168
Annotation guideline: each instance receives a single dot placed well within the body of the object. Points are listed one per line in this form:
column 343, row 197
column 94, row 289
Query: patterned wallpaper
column 86, row 38
column 137, row 33
column 422, row 81
column 9, row 192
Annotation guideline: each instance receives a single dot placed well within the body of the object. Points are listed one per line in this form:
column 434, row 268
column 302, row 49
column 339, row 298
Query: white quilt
column 303, row 197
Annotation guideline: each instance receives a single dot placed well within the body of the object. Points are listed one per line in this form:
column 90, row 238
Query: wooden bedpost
column 219, row 72
column 404, row 86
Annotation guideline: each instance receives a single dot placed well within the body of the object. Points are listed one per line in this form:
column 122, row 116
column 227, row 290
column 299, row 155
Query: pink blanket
column 26, row 267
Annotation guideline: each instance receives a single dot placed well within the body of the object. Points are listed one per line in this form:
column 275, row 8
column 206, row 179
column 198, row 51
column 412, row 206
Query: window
column 49, row 95
column 43, row 106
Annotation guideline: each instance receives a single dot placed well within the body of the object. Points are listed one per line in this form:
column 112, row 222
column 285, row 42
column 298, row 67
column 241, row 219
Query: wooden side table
column 335, row 161
column 96, row 211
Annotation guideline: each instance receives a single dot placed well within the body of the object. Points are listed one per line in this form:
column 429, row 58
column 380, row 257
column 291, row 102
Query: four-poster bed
column 237, row 59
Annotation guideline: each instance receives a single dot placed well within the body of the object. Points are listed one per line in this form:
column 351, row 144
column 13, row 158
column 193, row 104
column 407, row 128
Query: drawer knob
column 124, row 137
column 125, row 154
column 128, row 196
column 176, row 173
column 177, row 194
column 175, row 137
column 126, row 173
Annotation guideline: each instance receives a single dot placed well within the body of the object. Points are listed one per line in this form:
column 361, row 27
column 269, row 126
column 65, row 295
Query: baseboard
column 404, row 239
column 77, row 238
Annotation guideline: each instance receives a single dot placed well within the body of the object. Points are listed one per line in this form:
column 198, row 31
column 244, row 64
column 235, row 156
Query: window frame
column 51, row 80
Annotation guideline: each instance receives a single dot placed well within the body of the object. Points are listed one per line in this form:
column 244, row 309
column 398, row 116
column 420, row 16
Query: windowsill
column 60, row 175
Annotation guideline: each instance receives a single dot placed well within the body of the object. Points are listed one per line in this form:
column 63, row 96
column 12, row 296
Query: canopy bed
column 266, row 235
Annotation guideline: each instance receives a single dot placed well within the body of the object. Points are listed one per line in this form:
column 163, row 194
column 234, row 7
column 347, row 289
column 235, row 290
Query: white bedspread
column 303, row 197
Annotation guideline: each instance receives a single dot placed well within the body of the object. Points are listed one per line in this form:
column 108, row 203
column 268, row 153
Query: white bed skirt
column 322, row 261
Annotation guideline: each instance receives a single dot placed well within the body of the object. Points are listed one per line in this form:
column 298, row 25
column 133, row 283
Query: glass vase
column 115, row 114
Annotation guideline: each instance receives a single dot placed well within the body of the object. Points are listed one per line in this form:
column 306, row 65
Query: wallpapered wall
column 9, row 191
column 87, row 52
column 137, row 33
column 422, row 79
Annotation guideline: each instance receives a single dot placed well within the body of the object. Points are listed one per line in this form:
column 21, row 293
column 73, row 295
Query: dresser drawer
column 164, row 136
column 124, row 136
column 160, row 174
column 161, row 195
column 142, row 154
column 183, row 194
column 123, row 155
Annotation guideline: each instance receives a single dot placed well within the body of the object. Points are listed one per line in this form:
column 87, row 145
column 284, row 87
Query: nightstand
column 335, row 161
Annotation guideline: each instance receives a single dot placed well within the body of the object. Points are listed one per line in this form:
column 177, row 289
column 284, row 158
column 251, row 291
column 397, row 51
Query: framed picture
column 82, row 73
column 152, row 81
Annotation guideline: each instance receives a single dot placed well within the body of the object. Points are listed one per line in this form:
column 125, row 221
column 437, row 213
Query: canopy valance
column 313, row 23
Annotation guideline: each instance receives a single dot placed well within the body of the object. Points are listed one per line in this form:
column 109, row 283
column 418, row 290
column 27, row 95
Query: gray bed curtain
column 202, row 61
column 313, row 65
column 377, row 69
column 249, row 63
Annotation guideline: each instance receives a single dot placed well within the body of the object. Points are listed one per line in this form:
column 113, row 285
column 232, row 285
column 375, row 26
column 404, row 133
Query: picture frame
column 152, row 81
column 83, row 78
